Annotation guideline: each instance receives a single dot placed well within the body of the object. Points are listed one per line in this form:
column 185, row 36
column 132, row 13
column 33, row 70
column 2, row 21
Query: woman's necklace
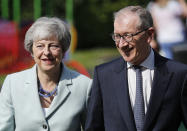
column 45, row 93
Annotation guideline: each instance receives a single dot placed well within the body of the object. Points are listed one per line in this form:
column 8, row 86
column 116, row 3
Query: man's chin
column 127, row 58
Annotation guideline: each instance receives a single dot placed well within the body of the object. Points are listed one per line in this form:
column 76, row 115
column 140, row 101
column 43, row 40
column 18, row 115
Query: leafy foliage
column 94, row 21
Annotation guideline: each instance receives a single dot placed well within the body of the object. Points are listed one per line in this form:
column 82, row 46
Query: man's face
column 138, row 48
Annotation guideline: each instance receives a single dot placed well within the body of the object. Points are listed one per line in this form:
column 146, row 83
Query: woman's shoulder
column 23, row 74
column 79, row 82
column 75, row 75
column 150, row 5
column 174, row 4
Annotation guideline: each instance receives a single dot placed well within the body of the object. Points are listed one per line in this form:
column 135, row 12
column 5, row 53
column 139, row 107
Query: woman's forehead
column 44, row 35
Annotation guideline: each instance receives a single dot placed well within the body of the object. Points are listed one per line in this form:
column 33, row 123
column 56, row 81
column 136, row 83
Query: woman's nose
column 46, row 50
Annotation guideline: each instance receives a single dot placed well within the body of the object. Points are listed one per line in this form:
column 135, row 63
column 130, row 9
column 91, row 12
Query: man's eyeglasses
column 126, row 37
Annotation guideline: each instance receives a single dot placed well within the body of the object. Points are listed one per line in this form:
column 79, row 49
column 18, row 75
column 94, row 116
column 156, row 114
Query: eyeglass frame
column 130, row 35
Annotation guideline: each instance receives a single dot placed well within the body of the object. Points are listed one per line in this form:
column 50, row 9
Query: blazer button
column 44, row 126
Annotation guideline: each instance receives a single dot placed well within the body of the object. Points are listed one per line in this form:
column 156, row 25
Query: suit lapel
column 122, row 93
column 159, row 87
column 63, row 91
column 31, row 90
column 32, row 87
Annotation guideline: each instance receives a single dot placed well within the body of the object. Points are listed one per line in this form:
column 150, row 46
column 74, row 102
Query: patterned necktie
column 139, row 112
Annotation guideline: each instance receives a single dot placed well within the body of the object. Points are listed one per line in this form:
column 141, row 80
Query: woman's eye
column 54, row 47
column 40, row 46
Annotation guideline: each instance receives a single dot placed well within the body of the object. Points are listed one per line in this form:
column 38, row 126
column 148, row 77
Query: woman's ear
column 31, row 51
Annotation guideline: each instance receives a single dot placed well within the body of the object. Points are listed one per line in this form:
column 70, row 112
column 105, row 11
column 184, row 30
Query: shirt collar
column 147, row 63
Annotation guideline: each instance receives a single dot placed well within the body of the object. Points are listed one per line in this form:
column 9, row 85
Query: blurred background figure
column 168, row 16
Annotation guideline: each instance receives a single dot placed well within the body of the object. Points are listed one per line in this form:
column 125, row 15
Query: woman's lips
column 48, row 61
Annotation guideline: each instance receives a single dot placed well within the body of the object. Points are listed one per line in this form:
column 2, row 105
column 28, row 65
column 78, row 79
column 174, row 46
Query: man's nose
column 122, row 43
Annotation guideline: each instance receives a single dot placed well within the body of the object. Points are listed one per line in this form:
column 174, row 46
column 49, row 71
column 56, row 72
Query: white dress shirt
column 147, row 79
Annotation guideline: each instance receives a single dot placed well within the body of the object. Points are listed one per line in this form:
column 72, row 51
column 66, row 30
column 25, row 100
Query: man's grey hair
column 146, row 20
column 45, row 28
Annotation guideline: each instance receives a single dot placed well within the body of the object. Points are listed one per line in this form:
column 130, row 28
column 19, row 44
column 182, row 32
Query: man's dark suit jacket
column 110, row 108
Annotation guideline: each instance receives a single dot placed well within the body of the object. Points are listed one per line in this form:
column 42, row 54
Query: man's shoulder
column 111, row 64
column 176, row 65
column 169, row 64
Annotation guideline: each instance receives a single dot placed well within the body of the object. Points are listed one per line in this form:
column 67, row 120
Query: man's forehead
column 126, row 24
column 126, row 15
column 127, row 19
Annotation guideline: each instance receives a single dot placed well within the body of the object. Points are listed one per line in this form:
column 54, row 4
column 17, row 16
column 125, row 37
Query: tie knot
column 137, row 67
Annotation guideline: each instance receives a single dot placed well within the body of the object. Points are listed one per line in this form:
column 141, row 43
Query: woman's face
column 47, row 54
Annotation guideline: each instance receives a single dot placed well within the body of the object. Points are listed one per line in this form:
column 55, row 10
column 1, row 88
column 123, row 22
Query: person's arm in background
column 183, row 4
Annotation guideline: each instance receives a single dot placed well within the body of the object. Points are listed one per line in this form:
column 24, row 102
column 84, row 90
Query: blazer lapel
column 31, row 90
column 160, row 86
column 122, row 93
column 63, row 92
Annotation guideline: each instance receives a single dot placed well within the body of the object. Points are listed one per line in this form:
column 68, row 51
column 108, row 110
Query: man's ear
column 151, row 33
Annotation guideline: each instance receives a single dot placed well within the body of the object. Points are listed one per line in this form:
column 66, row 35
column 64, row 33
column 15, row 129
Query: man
column 117, row 102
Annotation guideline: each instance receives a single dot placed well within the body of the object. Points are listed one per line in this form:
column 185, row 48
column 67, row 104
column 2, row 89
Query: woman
column 167, row 16
column 49, row 95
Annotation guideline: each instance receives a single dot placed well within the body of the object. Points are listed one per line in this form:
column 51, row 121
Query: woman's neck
column 49, row 80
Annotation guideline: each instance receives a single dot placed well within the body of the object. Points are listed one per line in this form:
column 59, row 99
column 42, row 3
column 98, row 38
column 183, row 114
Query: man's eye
column 117, row 36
